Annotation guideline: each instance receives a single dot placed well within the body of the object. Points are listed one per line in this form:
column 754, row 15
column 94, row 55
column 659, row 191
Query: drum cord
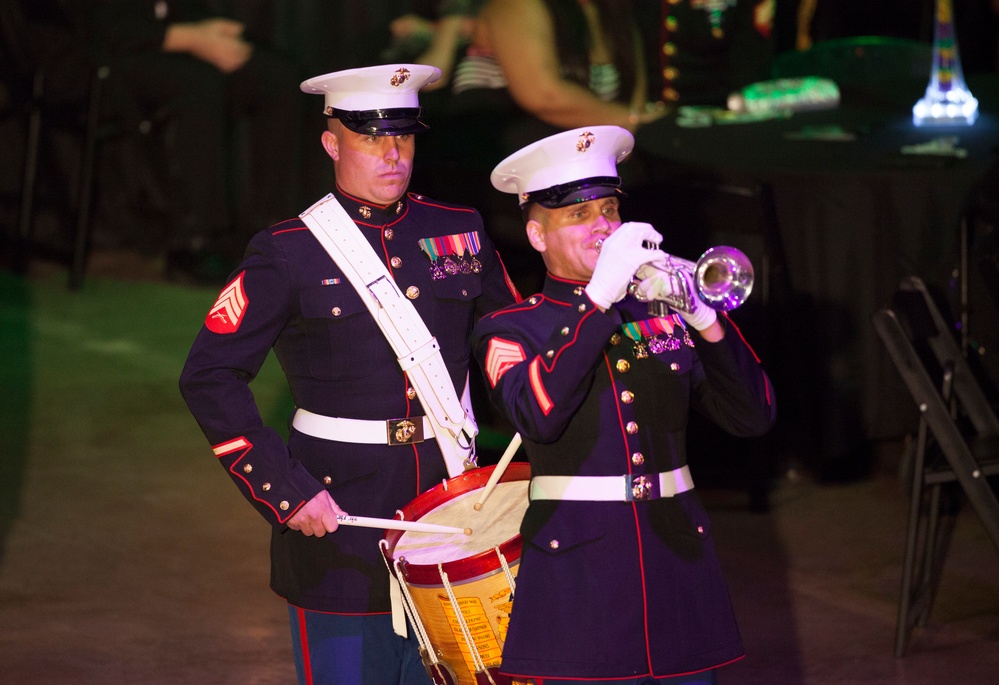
column 421, row 631
column 407, row 605
column 480, row 666
column 506, row 571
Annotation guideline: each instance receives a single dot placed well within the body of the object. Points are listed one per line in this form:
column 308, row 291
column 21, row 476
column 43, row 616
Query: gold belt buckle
column 640, row 488
column 404, row 431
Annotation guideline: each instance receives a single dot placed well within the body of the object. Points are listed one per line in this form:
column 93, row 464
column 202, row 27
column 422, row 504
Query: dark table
column 852, row 218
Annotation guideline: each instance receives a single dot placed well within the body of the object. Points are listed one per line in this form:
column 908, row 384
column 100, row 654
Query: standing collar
column 371, row 213
column 564, row 290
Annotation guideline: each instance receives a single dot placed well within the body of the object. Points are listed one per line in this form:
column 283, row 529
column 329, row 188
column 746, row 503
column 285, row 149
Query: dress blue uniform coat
column 289, row 295
column 615, row 590
column 699, row 51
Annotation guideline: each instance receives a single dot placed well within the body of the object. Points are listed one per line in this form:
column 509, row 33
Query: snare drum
column 458, row 589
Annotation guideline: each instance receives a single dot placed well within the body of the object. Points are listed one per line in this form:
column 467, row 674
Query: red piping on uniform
column 249, row 487
column 766, row 381
column 575, row 337
column 741, row 337
column 303, row 636
column 634, row 511
column 517, row 297
column 514, row 309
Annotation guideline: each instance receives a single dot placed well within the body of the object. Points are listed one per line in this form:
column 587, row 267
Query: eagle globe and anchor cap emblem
column 400, row 76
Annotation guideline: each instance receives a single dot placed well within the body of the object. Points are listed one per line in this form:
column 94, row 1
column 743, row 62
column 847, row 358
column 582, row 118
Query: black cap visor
column 382, row 122
column 583, row 190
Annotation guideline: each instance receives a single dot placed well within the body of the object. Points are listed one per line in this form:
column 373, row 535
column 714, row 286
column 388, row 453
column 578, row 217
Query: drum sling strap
column 417, row 351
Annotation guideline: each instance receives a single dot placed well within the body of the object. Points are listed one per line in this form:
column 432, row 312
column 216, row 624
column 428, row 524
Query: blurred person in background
column 436, row 33
column 561, row 63
column 700, row 51
column 534, row 68
column 198, row 72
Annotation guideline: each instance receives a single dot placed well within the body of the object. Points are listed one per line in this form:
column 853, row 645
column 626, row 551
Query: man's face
column 567, row 237
column 372, row 168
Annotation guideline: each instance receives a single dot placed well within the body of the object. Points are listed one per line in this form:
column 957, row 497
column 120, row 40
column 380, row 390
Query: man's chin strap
column 417, row 351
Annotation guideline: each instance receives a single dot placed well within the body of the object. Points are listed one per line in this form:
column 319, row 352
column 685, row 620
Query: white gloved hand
column 662, row 280
column 660, row 285
column 620, row 257
column 702, row 317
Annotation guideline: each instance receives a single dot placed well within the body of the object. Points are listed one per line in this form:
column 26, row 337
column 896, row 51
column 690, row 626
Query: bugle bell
column 722, row 278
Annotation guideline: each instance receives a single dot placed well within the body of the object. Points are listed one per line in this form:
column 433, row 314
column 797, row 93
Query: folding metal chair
column 957, row 442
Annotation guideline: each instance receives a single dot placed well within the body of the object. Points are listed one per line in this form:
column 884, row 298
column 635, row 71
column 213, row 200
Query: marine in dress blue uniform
column 289, row 295
column 700, row 51
column 619, row 580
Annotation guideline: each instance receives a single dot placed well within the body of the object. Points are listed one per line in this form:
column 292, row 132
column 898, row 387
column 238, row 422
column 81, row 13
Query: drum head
column 464, row 557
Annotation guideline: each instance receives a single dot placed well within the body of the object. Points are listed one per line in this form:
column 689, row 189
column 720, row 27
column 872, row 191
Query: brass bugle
column 722, row 278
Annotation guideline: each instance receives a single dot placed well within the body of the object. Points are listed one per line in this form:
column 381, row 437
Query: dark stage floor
column 126, row 555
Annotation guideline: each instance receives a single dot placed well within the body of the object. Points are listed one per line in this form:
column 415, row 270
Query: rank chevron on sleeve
column 501, row 355
column 227, row 312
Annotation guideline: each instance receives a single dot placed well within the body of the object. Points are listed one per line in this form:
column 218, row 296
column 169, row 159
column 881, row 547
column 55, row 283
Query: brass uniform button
column 247, row 468
column 564, row 331
column 631, row 427
column 669, row 49
column 364, row 211
column 336, row 311
column 464, row 293
column 627, row 397
column 638, row 459
column 533, row 300
column 581, row 308
column 284, row 505
column 265, row 487
column 674, row 367
column 671, row 94
column 671, row 73
column 553, row 544
column 622, row 365
column 411, row 393
column 389, row 234
column 578, row 290
column 327, row 480
column 615, row 339
column 412, row 292
column 671, row 23
column 396, row 262
column 550, row 353
column 398, row 207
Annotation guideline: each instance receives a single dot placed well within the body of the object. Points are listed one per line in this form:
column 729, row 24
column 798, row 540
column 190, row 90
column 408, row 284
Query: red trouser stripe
column 303, row 635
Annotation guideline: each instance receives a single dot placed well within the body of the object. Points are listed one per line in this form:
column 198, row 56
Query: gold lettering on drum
column 486, row 642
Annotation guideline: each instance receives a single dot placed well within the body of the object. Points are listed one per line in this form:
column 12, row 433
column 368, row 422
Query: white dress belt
column 402, row 431
column 626, row 488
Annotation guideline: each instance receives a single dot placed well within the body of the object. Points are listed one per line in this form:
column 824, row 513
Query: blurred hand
column 410, row 24
column 218, row 41
column 317, row 517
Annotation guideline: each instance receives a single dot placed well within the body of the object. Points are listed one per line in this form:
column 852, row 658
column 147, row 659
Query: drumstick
column 498, row 471
column 395, row 524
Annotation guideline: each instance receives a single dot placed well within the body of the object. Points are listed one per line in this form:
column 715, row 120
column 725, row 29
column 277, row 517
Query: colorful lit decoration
column 947, row 100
